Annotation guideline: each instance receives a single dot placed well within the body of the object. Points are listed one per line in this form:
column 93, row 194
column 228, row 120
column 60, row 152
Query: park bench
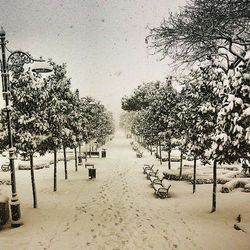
column 89, row 165
column 151, row 173
column 153, row 178
column 160, row 185
column 139, row 154
column 147, row 170
column 156, row 179
column 147, row 167
column 161, row 188
column 5, row 167
column 93, row 154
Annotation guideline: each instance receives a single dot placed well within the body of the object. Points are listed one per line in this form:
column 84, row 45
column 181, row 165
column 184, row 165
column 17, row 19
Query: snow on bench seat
column 156, row 178
column 161, row 190
column 152, row 173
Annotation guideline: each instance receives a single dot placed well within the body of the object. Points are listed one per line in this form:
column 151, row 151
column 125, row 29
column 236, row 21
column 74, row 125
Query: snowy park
column 125, row 125
column 118, row 209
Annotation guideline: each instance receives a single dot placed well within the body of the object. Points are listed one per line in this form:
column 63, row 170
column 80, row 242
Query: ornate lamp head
column 41, row 67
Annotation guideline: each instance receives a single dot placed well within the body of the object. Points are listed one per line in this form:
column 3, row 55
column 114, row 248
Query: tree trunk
column 65, row 163
column 181, row 163
column 79, row 147
column 55, row 166
column 33, row 181
column 86, row 151
column 194, row 179
column 214, row 186
column 169, row 159
column 160, row 152
column 151, row 150
column 75, row 158
column 90, row 150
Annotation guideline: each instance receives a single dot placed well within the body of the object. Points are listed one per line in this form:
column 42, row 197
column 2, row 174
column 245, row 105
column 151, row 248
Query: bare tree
column 205, row 29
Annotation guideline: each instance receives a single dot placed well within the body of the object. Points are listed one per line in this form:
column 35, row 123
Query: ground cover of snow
column 118, row 209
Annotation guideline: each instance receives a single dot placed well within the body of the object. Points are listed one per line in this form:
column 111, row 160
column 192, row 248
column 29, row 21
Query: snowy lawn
column 118, row 209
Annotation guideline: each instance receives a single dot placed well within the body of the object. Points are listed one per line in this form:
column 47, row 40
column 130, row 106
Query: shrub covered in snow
column 26, row 166
column 235, row 183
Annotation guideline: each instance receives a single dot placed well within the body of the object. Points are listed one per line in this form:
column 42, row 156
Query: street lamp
column 14, row 62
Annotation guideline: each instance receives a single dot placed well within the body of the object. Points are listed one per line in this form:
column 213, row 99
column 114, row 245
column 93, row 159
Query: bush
column 26, row 166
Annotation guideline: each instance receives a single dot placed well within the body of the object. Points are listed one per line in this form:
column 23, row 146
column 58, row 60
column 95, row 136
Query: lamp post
column 17, row 59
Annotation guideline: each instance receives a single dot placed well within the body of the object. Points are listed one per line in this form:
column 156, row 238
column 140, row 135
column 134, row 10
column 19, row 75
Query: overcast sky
column 102, row 42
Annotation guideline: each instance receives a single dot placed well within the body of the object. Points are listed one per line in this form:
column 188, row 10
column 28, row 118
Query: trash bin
column 92, row 173
column 103, row 153
column 4, row 210
column 79, row 160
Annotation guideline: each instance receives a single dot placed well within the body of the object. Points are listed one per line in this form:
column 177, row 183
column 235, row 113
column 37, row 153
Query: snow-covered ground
column 118, row 209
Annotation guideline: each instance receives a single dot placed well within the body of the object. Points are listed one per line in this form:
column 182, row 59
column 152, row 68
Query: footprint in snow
column 75, row 218
column 165, row 237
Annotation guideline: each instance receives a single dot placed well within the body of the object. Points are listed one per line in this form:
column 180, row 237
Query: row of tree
column 48, row 116
column 210, row 116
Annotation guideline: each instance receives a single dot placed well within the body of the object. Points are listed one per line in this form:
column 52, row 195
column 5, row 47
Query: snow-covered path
column 118, row 210
column 118, row 213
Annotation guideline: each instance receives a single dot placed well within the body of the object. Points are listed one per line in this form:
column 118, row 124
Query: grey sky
column 102, row 42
